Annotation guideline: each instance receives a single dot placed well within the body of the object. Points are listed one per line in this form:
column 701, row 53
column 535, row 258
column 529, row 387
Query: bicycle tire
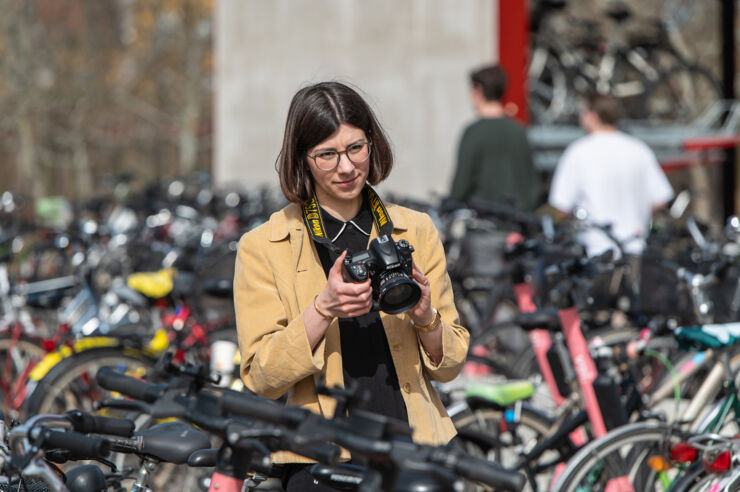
column 71, row 383
column 16, row 357
column 682, row 94
column 625, row 449
column 487, row 420
column 548, row 85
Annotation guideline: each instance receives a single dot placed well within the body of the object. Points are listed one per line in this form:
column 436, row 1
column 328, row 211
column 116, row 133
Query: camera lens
column 397, row 292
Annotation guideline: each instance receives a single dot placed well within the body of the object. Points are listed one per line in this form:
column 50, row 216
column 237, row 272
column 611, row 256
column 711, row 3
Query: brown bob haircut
column 315, row 113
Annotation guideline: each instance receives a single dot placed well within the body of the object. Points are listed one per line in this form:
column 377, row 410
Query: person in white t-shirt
column 614, row 177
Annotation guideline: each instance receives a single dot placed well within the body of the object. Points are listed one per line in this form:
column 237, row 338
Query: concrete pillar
column 410, row 58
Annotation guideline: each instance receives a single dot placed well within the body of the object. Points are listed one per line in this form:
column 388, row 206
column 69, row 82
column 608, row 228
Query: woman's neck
column 344, row 210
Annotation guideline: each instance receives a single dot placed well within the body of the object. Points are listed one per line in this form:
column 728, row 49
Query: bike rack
column 717, row 127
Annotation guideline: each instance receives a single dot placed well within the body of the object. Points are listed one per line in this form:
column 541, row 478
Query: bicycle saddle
column 708, row 336
column 154, row 285
column 502, row 395
column 546, row 319
column 172, row 442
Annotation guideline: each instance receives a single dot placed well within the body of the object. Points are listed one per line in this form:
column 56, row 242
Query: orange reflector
column 658, row 463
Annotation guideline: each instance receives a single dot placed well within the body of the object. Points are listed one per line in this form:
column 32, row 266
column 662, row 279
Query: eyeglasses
column 328, row 160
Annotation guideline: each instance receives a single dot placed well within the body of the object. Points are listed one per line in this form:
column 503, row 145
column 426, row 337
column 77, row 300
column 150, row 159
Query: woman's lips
column 347, row 184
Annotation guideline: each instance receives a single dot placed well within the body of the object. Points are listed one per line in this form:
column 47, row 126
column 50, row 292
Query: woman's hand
column 422, row 313
column 344, row 299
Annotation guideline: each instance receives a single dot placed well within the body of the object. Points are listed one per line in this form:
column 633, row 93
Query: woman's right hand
column 344, row 299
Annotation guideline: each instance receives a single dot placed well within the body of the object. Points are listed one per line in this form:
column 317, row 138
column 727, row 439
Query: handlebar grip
column 78, row 444
column 489, row 473
column 260, row 409
column 323, row 453
column 87, row 423
column 137, row 389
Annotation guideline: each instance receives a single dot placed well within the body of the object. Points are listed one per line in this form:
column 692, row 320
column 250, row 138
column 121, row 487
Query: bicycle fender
column 51, row 359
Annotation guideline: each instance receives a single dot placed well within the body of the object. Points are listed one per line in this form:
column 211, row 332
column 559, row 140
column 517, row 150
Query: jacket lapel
column 310, row 280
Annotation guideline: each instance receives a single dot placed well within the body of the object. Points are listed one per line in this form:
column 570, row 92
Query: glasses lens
column 358, row 152
column 326, row 161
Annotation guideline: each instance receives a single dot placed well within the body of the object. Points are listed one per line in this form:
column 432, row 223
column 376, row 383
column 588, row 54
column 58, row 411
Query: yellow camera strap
column 315, row 222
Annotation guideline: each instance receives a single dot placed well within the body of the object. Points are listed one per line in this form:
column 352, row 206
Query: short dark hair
column 492, row 79
column 315, row 113
column 606, row 107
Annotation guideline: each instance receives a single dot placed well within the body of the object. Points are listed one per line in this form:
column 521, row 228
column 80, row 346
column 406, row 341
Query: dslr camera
column 388, row 264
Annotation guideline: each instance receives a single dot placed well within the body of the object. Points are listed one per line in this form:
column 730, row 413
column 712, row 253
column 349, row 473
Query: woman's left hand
column 422, row 313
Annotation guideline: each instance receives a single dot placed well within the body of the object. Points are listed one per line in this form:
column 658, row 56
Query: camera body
column 388, row 264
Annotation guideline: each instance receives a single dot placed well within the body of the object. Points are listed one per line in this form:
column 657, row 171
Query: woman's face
column 344, row 183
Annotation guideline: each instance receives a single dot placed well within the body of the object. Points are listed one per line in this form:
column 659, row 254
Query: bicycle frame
column 540, row 339
column 586, row 373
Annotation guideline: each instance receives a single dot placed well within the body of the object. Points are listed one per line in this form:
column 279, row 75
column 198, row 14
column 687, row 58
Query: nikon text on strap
column 315, row 222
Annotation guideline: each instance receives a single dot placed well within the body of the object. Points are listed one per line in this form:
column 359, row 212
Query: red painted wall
column 513, row 42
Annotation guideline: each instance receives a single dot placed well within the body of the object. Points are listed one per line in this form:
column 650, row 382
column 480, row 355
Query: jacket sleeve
column 275, row 350
column 455, row 338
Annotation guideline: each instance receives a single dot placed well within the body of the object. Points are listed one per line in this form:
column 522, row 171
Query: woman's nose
column 345, row 165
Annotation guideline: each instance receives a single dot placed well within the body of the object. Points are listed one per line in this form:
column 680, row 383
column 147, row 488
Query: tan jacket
column 278, row 274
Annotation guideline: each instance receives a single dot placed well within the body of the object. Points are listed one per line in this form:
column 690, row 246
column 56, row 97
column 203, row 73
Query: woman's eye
column 355, row 147
column 326, row 155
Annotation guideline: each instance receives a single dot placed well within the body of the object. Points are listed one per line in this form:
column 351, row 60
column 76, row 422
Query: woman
column 299, row 320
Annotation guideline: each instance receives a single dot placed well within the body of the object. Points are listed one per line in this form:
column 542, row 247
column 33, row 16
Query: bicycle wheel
column 18, row 355
column 682, row 95
column 71, row 383
column 628, row 83
column 479, row 428
column 548, row 86
column 623, row 452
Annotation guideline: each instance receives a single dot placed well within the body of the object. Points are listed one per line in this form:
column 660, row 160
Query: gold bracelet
column 323, row 314
column 431, row 326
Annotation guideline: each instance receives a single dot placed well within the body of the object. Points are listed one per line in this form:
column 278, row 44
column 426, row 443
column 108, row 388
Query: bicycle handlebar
column 86, row 423
column 301, row 431
column 78, row 444
column 113, row 380
column 479, row 470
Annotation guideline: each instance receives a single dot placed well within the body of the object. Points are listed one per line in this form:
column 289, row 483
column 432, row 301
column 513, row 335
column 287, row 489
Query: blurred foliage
column 90, row 89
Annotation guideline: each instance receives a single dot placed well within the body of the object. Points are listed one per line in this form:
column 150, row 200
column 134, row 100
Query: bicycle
column 648, row 75
column 627, row 451
column 370, row 437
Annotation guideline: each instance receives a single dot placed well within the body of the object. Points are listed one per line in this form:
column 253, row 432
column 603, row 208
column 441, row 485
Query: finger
column 354, row 288
column 336, row 268
column 356, row 300
column 420, row 278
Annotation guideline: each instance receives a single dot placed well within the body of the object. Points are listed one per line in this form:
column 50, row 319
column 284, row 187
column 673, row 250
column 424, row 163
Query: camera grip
column 354, row 272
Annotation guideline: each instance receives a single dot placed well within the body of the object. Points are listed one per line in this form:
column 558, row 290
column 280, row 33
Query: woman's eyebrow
column 324, row 149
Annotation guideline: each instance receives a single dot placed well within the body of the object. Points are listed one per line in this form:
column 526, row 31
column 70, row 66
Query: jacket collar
column 290, row 219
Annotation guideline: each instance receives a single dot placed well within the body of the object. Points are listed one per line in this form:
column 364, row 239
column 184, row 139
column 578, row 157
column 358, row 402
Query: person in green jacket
column 494, row 158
